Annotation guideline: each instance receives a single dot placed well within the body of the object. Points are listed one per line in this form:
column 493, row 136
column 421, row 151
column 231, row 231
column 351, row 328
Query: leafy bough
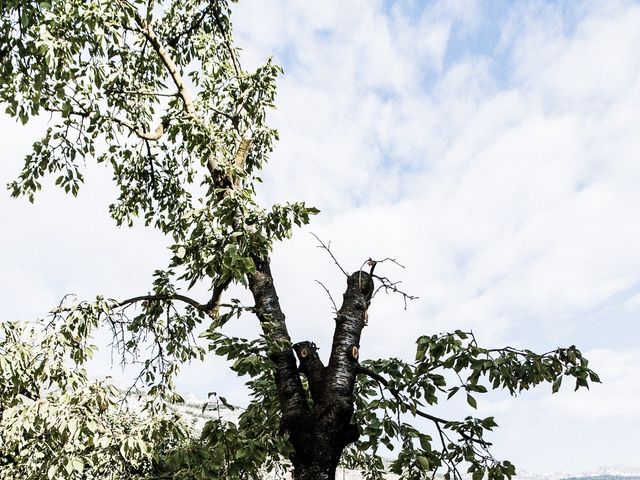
column 413, row 387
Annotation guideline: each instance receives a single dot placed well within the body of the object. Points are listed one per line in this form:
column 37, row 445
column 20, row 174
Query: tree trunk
column 319, row 421
column 314, row 471
column 319, row 442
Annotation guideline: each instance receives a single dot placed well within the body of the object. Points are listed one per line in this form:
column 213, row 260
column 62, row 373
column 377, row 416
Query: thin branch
column 142, row 93
column 151, row 167
column 227, row 40
column 388, row 285
column 327, row 247
column 143, row 135
column 373, row 263
column 335, row 308
column 437, row 420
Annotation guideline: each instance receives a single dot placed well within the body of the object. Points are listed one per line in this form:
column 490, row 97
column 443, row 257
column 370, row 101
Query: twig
column 335, row 308
column 388, row 285
column 327, row 247
column 372, row 263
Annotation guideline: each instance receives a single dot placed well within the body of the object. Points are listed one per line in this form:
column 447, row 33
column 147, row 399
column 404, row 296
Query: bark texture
column 318, row 422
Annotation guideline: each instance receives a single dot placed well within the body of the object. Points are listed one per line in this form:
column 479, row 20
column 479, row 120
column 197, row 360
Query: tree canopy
column 155, row 91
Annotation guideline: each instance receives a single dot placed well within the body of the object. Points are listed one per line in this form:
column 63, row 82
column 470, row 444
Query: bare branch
column 335, row 308
column 388, row 286
column 327, row 247
column 373, row 263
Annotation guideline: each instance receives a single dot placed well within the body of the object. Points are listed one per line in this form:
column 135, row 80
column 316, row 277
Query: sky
column 490, row 147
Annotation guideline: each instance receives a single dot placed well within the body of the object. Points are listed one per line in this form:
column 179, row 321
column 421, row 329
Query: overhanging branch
column 437, row 420
column 146, row 298
column 163, row 298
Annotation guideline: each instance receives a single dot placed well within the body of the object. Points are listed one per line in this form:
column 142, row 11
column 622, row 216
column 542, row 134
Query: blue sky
column 492, row 147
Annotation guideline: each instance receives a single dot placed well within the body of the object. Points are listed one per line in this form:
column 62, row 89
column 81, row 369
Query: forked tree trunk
column 319, row 427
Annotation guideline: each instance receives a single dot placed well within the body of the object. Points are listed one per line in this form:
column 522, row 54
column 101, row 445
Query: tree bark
column 319, row 427
column 267, row 305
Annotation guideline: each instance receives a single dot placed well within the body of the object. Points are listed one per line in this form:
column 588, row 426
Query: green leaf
column 478, row 474
column 472, row 401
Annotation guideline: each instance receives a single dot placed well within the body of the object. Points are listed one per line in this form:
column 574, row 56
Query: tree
column 155, row 91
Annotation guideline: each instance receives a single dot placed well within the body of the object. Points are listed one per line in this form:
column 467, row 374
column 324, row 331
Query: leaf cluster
column 444, row 365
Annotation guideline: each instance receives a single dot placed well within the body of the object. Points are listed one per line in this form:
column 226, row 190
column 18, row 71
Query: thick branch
column 168, row 62
column 159, row 298
column 350, row 321
column 267, row 308
column 311, row 367
column 213, row 305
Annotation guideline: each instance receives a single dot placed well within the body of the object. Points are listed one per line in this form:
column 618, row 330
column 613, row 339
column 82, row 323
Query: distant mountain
column 604, row 477
column 611, row 472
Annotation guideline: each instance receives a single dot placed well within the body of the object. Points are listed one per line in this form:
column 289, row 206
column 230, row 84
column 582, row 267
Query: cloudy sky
column 491, row 147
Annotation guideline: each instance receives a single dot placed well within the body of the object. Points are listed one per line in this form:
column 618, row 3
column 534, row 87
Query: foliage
column 154, row 91
column 426, row 381
column 55, row 423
